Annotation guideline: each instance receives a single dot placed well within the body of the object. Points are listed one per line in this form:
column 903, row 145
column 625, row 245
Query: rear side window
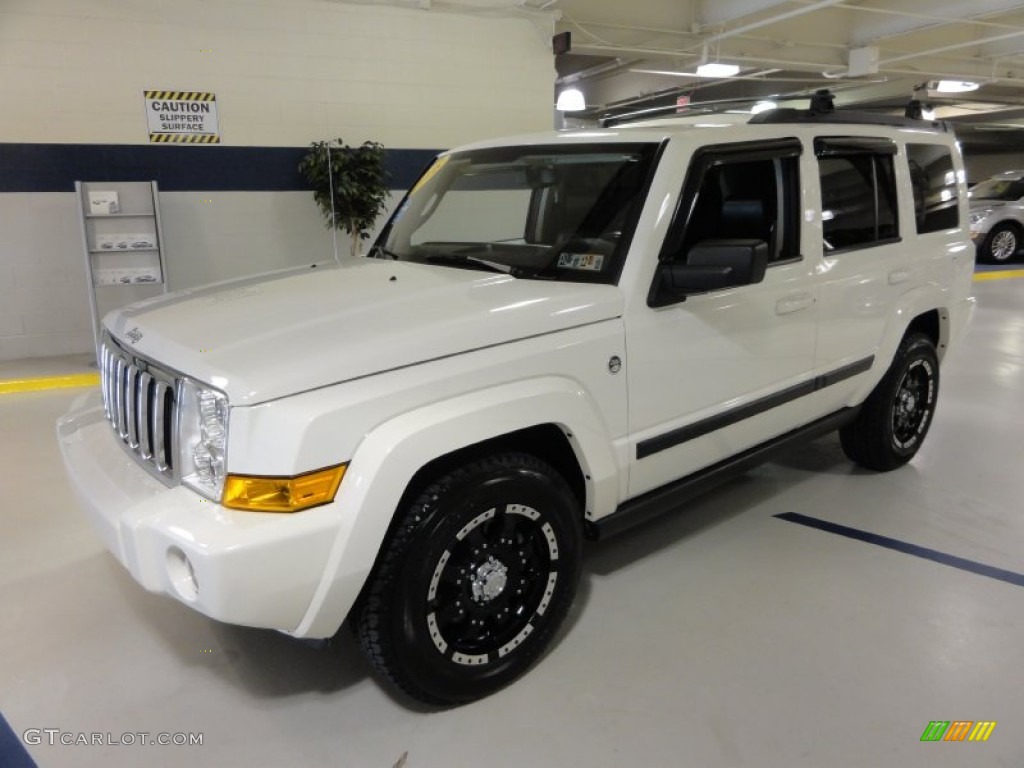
column 858, row 192
column 935, row 189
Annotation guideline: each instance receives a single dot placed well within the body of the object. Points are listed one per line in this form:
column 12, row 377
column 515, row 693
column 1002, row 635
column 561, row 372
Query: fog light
column 182, row 575
column 282, row 494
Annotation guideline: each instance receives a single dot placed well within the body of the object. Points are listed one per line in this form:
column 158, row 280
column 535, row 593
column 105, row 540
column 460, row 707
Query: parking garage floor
column 724, row 635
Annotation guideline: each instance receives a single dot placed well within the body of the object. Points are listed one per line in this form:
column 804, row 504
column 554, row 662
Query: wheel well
column 1008, row 223
column 548, row 442
column 932, row 325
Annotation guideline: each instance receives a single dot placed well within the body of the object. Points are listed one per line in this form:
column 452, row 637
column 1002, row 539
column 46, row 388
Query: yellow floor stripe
column 50, row 382
column 1001, row 275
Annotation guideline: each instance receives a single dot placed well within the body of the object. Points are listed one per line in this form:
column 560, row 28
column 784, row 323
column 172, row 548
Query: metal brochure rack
column 123, row 242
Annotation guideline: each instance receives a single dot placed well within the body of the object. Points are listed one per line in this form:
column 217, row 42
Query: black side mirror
column 710, row 265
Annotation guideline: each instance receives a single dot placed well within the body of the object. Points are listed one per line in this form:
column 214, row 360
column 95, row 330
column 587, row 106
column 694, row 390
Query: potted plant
column 349, row 185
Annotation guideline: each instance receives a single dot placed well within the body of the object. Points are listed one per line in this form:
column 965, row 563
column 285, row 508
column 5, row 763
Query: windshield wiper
column 456, row 259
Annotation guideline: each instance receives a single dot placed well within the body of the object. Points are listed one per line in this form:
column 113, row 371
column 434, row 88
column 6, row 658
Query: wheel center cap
column 909, row 403
column 489, row 580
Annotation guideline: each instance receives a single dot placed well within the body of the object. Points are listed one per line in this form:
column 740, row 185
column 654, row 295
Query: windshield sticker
column 589, row 261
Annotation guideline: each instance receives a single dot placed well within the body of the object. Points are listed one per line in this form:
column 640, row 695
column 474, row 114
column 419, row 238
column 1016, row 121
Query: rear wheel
column 895, row 418
column 1001, row 245
column 475, row 580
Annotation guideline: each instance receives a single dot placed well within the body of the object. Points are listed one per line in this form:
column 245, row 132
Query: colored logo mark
column 958, row 730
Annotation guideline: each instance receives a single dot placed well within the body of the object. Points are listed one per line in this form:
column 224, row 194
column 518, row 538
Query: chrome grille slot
column 145, row 425
column 140, row 401
column 132, row 411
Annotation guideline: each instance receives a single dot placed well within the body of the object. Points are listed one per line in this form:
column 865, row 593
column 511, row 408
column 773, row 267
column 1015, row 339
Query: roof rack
column 823, row 110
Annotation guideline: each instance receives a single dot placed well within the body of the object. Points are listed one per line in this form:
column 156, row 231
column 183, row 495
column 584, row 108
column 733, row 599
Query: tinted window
column 935, row 189
column 858, row 194
column 748, row 194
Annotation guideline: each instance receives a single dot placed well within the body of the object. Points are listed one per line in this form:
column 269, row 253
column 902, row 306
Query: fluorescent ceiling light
column 956, row 86
column 571, row 100
column 717, row 69
column 763, row 106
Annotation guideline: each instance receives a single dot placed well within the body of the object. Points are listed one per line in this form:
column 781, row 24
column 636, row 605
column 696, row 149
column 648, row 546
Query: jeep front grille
column 140, row 400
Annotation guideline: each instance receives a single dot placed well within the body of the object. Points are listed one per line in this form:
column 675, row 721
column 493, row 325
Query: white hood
column 263, row 338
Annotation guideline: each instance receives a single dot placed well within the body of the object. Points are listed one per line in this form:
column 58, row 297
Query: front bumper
column 249, row 568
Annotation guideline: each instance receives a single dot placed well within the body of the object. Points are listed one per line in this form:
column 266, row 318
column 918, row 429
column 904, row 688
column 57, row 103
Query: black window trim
column 846, row 146
column 908, row 147
column 722, row 154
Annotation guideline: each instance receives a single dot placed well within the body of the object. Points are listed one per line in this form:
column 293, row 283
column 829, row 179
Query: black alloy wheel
column 474, row 581
column 915, row 401
column 895, row 418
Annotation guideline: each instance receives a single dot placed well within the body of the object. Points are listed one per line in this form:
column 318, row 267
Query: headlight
column 980, row 216
column 203, row 439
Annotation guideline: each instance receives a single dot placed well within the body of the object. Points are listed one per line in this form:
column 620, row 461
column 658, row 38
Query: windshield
column 998, row 189
column 553, row 212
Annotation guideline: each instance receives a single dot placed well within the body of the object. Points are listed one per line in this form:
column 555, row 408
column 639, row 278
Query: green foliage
column 360, row 184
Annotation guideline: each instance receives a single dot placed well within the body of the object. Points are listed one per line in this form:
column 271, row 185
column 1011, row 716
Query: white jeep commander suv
column 556, row 335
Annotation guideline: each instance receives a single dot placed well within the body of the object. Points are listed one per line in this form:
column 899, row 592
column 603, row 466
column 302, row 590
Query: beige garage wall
column 285, row 72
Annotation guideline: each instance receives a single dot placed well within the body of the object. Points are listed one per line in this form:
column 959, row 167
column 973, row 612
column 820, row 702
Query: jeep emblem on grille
column 134, row 335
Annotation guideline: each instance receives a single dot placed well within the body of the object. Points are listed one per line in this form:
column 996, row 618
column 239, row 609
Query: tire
column 474, row 580
column 894, row 420
column 1001, row 244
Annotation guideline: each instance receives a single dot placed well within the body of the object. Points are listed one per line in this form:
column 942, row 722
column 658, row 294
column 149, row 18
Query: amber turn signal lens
column 282, row 494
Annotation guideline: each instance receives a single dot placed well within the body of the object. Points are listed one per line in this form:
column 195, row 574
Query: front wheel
column 895, row 418
column 474, row 581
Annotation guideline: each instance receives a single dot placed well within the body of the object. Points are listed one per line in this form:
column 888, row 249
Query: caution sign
column 182, row 117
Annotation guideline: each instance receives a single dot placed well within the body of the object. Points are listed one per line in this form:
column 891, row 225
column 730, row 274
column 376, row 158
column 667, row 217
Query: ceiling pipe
column 953, row 47
column 935, row 21
column 772, row 20
column 598, row 69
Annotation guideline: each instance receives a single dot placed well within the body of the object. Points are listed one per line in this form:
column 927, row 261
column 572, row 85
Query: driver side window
column 741, row 193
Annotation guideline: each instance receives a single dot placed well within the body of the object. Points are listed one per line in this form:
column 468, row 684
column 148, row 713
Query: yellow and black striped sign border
column 181, row 96
column 183, row 138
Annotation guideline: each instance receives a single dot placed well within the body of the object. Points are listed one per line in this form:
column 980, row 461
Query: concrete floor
column 722, row 636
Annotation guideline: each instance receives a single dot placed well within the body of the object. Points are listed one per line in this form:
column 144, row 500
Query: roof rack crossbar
column 823, row 110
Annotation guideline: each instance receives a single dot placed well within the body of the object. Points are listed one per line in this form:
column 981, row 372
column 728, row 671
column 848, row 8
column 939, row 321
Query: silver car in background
column 997, row 217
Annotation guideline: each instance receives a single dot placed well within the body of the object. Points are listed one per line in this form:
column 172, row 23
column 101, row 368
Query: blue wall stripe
column 1010, row 577
column 12, row 752
column 56, row 167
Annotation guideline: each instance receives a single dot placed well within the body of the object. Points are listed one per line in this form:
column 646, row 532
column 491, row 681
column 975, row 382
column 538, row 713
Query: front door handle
column 793, row 303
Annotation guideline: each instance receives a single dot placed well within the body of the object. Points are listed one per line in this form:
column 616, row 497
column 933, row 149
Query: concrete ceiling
column 629, row 57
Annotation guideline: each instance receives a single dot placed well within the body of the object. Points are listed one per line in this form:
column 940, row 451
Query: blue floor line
column 943, row 558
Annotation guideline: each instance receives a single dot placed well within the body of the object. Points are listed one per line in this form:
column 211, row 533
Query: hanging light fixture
column 956, row 86
column 717, row 69
column 571, row 100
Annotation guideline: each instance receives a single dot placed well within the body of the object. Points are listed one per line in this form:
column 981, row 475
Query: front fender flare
column 391, row 454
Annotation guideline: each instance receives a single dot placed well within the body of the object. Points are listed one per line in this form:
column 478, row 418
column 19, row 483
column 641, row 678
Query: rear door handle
column 793, row 303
